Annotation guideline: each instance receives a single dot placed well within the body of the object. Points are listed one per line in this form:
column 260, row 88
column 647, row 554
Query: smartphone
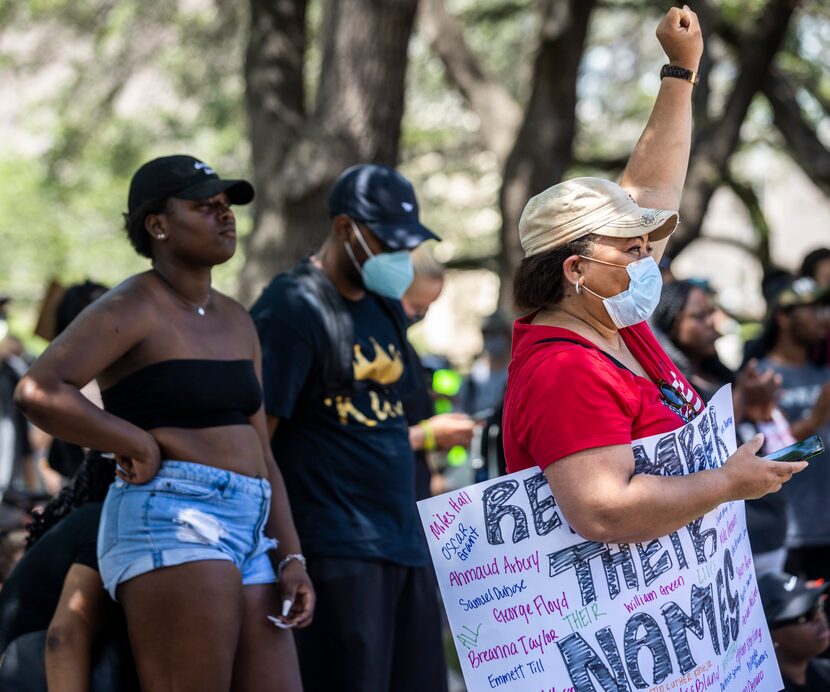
column 800, row 451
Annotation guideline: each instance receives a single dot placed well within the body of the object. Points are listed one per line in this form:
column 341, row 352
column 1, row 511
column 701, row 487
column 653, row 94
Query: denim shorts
column 188, row 512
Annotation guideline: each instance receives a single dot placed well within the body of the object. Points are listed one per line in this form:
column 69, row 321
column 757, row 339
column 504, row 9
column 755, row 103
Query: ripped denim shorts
column 188, row 512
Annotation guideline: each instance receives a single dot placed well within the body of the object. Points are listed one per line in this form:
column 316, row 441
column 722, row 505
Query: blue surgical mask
column 637, row 303
column 389, row 274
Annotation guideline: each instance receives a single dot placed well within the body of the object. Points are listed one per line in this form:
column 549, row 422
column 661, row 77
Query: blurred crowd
column 780, row 387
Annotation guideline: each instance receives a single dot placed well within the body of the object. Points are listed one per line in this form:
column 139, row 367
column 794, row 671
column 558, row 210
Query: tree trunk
column 543, row 148
column 712, row 151
column 356, row 118
column 276, row 113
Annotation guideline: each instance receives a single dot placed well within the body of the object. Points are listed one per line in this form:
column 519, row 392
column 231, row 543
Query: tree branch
column 498, row 112
column 713, row 150
column 614, row 163
column 750, row 200
column 732, row 242
column 702, row 92
column 804, row 145
column 544, row 146
column 490, row 262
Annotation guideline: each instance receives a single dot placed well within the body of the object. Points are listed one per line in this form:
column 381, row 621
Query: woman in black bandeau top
column 196, row 529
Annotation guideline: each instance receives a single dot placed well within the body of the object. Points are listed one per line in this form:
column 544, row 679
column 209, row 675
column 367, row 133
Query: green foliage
column 136, row 80
column 104, row 86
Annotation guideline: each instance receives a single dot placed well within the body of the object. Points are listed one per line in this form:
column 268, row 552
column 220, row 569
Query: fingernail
column 279, row 623
column 286, row 607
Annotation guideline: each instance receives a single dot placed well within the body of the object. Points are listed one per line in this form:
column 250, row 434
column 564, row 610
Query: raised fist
column 679, row 35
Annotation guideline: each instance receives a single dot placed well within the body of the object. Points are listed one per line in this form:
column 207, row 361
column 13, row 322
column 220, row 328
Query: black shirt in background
column 818, row 678
column 345, row 456
column 31, row 593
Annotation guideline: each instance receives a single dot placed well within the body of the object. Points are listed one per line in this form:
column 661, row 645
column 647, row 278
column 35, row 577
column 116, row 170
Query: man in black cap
column 335, row 369
column 795, row 613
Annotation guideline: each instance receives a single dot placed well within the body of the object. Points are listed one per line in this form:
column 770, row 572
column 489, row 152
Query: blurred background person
column 15, row 444
column 428, row 432
column 684, row 323
column 791, row 330
column 55, row 595
column 64, row 457
column 483, row 388
column 816, row 266
column 798, row 626
column 665, row 269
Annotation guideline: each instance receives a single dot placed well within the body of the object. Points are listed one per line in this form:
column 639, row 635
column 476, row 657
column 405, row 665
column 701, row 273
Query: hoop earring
column 578, row 288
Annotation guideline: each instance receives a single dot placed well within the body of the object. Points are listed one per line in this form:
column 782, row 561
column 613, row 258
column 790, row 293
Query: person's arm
column 78, row 618
column 604, row 501
column 656, row 171
column 49, row 394
column 271, row 423
column 817, row 418
column 294, row 582
column 576, row 420
column 441, row 431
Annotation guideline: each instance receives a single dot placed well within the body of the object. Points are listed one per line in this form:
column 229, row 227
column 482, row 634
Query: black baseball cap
column 383, row 200
column 184, row 177
column 786, row 597
column 787, row 292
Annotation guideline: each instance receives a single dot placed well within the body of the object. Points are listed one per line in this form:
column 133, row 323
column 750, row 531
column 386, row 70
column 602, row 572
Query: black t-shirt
column 32, row 591
column 345, row 456
column 818, row 678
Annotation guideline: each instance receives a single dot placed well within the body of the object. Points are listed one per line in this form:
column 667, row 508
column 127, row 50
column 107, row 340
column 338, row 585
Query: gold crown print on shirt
column 384, row 368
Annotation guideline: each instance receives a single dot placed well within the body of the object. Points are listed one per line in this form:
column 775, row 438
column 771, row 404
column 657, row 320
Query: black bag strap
column 326, row 301
column 321, row 294
column 584, row 345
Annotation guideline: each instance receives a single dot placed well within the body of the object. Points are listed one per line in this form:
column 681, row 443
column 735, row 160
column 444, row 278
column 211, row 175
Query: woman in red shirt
column 588, row 377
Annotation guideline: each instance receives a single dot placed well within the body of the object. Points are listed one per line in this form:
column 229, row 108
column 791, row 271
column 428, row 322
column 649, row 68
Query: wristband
column 430, row 445
column 680, row 73
column 289, row 558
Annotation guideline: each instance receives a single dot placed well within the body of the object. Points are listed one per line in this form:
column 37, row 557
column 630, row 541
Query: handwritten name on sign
column 535, row 607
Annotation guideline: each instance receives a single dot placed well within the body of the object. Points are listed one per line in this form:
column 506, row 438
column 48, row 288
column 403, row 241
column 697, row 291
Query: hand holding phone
column 800, row 451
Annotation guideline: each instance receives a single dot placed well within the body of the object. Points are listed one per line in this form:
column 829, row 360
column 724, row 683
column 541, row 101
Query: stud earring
column 161, row 236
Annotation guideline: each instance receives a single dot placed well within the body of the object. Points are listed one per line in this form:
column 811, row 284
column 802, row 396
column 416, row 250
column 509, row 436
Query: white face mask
column 638, row 302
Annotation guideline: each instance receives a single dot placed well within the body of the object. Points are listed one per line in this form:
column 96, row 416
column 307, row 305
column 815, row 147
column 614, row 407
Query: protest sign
column 535, row 607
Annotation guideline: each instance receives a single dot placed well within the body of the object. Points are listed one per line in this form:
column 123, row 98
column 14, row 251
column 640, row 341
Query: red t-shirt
column 564, row 398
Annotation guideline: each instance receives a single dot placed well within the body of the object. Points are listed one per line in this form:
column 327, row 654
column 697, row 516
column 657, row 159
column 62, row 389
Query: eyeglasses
column 811, row 616
column 675, row 401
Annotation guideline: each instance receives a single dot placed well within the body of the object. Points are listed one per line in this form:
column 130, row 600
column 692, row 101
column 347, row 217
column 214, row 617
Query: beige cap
column 581, row 206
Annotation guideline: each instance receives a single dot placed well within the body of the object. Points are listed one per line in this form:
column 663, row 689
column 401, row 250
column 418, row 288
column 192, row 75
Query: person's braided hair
column 90, row 484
